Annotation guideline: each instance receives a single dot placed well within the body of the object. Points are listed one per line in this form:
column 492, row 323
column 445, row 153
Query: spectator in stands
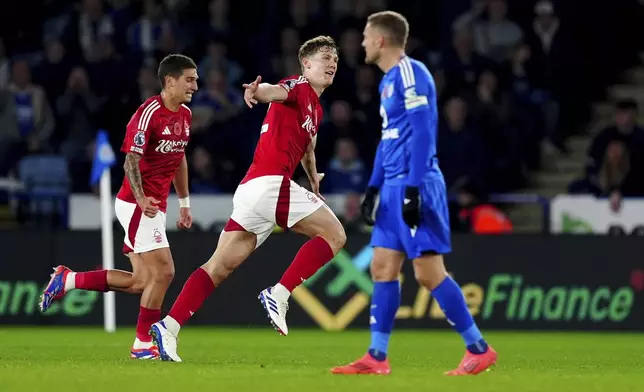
column 203, row 172
column 346, row 172
column 352, row 14
column 219, row 98
column 35, row 118
column 462, row 160
column 145, row 34
column 367, row 102
column 557, row 71
column 148, row 84
column 546, row 40
column 615, row 165
column 351, row 57
column 462, row 64
column 85, row 28
column 168, row 43
column 217, row 57
column 285, row 61
column 78, row 108
column 10, row 149
column 490, row 107
column 108, row 67
column 218, row 20
column 217, row 121
column 494, row 36
column 52, row 72
column 342, row 125
column 528, row 108
column 4, row 67
column 303, row 16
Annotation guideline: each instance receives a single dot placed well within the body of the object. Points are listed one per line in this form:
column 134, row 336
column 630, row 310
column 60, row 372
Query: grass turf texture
column 76, row 359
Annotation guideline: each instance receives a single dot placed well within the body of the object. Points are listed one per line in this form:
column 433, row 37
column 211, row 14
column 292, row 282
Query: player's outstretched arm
column 258, row 92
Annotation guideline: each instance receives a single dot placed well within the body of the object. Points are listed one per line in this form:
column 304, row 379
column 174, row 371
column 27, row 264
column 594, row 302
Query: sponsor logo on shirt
column 171, row 146
column 392, row 133
column 309, row 125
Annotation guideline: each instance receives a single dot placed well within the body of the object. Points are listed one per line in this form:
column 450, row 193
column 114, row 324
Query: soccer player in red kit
column 267, row 196
column 154, row 144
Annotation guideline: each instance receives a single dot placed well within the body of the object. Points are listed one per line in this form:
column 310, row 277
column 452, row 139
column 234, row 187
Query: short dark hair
column 313, row 45
column 173, row 65
column 394, row 23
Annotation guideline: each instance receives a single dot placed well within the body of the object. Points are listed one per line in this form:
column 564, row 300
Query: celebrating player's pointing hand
column 250, row 90
column 149, row 206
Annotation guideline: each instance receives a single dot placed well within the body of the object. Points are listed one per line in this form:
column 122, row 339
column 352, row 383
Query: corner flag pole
column 104, row 158
column 107, row 243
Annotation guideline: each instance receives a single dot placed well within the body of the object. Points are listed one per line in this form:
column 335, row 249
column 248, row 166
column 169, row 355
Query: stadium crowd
column 511, row 79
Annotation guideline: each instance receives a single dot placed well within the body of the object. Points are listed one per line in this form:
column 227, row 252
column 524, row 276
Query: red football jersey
column 160, row 136
column 287, row 130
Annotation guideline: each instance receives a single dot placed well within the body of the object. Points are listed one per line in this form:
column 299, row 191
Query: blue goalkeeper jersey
column 406, row 157
column 407, row 149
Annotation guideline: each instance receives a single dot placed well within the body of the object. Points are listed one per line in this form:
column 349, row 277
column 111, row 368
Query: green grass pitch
column 215, row 359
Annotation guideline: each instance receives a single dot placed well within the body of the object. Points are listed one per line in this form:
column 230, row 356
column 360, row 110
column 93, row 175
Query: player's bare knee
column 233, row 248
column 219, row 268
column 335, row 236
column 425, row 280
column 429, row 270
column 337, row 239
column 139, row 281
column 382, row 271
column 386, row 264
column 163, row 273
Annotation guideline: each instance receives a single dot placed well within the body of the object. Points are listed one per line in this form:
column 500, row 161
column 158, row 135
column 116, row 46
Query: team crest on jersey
column 387, row 91
column 139, row 139
column 177, row 129
column 289, row 84
column 187, row 128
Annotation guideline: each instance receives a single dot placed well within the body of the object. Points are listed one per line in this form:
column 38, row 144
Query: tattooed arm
column 133, row 174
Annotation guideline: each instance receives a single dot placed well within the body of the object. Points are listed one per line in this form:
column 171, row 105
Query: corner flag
column 104, row 157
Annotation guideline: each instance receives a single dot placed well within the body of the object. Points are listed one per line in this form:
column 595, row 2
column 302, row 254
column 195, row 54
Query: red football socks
column 91, row 280
column 312, row 256
column 197, row 288
column 147, row 317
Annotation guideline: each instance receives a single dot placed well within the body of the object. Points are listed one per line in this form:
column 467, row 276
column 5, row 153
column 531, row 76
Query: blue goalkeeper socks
column 450, row 298
column 384, row 305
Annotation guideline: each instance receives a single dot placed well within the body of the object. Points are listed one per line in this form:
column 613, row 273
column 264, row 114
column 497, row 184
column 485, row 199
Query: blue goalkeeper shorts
column 390, row 230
